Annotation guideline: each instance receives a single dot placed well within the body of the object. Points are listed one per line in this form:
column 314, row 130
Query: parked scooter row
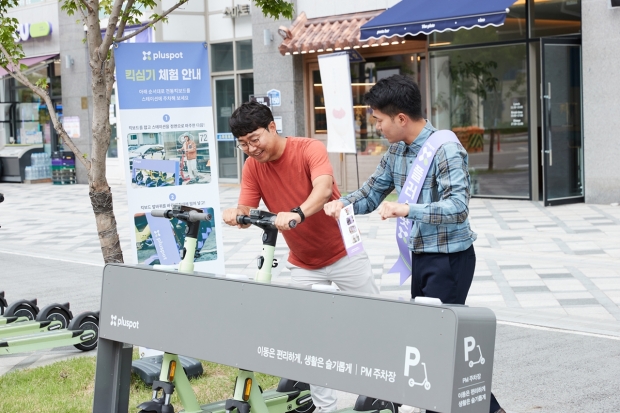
column 25, row 327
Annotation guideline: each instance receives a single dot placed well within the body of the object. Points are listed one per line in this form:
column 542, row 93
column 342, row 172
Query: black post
column 112, row 377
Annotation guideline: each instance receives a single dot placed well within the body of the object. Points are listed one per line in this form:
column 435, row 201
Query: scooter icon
column 425, row 382
column 480, row 360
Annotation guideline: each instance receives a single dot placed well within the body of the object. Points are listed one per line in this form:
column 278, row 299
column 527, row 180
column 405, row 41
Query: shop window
column 363, row 76
column 481, row 95
column 222, row 58
column 555, row 17
column 244, row 54
column 514, row 28
column 26, row 120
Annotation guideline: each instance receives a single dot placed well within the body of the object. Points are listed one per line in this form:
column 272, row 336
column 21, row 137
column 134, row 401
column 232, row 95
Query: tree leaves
column 276, row 8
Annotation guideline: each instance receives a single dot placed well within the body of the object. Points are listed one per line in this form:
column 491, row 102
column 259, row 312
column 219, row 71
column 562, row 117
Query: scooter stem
column 270, row 236
column 264, row 274
column 189, row 246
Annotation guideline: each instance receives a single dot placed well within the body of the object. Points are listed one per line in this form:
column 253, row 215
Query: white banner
column 336, row 81
column 167, row 136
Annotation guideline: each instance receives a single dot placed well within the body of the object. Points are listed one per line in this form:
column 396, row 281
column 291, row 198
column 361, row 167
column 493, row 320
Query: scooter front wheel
column 306, row 408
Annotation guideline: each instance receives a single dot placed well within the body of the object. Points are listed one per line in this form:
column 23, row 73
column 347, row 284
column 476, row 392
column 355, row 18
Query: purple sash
column 410, row 194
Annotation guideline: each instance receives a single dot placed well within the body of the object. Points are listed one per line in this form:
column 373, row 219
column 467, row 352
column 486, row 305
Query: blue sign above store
column 427, row 16
column 162, row 75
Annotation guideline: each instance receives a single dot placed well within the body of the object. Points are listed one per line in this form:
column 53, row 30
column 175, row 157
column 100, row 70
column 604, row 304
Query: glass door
column 226, row 150
column 562, row 137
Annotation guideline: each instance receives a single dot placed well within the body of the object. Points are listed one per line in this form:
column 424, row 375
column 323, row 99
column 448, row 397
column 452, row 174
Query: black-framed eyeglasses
column 254, row 142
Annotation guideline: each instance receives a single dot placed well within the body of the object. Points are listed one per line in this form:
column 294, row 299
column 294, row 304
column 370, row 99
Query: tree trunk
column 99, row 190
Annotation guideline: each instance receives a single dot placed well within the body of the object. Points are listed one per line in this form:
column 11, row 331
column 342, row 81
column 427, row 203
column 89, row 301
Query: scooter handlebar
column 199, row 216
column 159, row 213
column 268, row 222
column 192, row 216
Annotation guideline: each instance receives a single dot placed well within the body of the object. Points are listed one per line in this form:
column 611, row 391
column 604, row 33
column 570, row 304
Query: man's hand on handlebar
column 284, row 218
column 230, row 217
column 333, row 208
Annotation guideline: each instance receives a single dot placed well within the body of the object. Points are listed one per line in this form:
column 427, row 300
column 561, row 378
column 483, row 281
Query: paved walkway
column 555, row 267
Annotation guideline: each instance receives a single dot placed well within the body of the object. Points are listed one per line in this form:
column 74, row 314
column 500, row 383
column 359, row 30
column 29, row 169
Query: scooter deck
column 29, row 327
column 51, row 339
column 12, row 319
column 285, row 400
column 272, row 399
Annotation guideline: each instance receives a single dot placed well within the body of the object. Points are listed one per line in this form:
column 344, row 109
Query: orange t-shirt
column 190, row 149
column 286, row 183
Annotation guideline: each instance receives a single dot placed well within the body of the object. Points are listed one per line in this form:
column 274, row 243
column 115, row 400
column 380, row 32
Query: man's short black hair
column 248, row 117
column 396, row 94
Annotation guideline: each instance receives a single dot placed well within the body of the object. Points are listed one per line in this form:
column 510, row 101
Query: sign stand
column 441, row 359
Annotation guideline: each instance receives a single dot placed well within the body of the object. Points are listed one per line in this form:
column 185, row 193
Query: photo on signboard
column 169, row 158
column 169, row 235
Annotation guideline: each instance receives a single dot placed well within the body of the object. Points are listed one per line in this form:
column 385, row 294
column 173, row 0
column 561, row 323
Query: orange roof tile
column 327, row 34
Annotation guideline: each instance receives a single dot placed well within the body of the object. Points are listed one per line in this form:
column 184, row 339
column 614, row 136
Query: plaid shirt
column 440, row 222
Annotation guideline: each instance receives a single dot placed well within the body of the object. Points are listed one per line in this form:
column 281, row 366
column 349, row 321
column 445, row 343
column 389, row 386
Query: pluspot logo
column 146, row 55
column 425, row 155
column 116, row 321
column 167, row 56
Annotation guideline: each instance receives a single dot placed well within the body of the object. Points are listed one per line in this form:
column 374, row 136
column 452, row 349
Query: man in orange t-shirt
column 294, row 179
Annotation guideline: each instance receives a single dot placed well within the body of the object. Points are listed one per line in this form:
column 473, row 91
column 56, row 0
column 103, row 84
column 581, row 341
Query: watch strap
column 300, row 212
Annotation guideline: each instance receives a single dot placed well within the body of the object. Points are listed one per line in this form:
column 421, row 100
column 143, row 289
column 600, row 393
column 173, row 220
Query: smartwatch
column 301, row 214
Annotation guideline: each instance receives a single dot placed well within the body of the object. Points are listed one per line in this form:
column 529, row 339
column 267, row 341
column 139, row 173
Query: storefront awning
column 31, row 61
column 326, row 34
column 413, row 17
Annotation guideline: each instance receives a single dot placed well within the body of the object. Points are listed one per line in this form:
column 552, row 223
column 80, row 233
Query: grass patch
column 67, row 387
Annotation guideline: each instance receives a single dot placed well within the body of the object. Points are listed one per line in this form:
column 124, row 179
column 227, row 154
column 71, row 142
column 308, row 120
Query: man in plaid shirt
column 441, row 240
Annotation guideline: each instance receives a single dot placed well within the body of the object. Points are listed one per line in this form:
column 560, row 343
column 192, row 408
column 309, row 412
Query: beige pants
column 349, row 274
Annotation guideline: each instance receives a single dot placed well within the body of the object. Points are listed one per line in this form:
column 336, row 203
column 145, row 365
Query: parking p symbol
column 412, row 358
column 470, row 344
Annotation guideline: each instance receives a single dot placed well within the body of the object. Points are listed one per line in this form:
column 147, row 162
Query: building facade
column 532, row 100
column 516, row 95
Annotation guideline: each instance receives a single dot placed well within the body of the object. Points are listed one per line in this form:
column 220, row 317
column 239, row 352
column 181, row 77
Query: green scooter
column 289, row 396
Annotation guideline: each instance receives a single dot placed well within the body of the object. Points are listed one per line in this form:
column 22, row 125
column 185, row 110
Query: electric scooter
column 289, row 396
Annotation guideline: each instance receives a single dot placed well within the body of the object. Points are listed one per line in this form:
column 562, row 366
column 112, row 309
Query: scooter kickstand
column 159, row 404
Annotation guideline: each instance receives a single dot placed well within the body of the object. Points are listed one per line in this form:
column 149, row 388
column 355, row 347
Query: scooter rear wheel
column 89, row 323
column 59, row 315
column 24, row 310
